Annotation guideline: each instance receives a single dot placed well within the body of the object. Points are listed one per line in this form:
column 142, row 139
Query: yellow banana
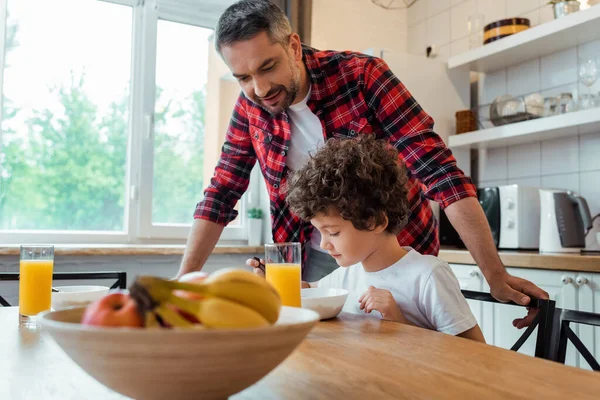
column 214, row 312
column 172, row 317
column 236, row 285
column 237, row 274
column 234, row 300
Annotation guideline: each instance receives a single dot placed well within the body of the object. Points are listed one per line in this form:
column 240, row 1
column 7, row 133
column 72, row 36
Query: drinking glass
column 283, row 270
column 475, row 28
column 588, row 72
column 35, row 282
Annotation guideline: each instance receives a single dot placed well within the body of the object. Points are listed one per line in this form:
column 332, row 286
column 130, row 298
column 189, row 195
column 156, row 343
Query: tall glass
column 283, row 271
column 475, row 28
column 35, row 282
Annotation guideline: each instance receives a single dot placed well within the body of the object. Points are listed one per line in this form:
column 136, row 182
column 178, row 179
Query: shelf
column 538, row 41
column 565, row 125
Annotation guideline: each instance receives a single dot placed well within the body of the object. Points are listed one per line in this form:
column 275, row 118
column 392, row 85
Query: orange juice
column 286, row 278
column 35, row 286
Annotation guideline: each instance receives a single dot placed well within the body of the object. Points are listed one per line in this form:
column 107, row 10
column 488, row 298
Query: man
column 293, row 99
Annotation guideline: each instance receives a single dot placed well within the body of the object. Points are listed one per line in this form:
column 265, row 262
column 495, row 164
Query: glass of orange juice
column 283, row 271
column 35, row 282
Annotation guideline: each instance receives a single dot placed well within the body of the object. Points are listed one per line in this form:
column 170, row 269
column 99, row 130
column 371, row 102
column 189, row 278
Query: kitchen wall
column 568, row 163
column 357, row 25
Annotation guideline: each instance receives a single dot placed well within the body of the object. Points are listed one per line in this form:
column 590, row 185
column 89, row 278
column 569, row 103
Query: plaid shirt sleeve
column 410, row 130
column 232, row 173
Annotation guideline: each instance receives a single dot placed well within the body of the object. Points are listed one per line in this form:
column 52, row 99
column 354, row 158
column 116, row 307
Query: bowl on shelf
column 327, row 302
column 160, row 363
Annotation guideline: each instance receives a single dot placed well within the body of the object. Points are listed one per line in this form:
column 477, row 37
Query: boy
column 354, row 192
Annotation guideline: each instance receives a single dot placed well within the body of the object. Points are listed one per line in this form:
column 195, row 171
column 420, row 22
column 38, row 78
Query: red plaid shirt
column 351, row 94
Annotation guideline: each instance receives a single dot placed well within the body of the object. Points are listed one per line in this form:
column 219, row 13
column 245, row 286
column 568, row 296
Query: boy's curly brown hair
column 361, row 178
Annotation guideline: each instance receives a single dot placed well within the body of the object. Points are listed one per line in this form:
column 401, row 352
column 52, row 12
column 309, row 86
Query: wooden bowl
column 177, row 363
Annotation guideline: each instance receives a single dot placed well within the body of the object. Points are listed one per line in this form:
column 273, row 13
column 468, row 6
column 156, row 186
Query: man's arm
column 229, row 182
column 201, row 241
column 468, row 219
column 410, row 130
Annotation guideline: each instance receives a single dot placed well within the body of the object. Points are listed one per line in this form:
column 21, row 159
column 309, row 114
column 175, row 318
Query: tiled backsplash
column 566, row 163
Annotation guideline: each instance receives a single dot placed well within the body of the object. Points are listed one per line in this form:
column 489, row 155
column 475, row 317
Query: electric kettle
column 565, row 219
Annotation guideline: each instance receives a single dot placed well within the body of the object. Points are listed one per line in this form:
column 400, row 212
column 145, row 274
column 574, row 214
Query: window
column 104, row 119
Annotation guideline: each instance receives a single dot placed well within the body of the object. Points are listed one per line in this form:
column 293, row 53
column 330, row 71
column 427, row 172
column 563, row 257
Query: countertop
column 522, row 259
column 130, row 250
column 530, row 259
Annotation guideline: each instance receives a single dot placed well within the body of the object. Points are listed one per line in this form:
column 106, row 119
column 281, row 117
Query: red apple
column 114, row 309
column 190, row 277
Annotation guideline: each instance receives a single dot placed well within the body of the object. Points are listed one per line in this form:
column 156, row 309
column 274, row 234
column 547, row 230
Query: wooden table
column 351, row 357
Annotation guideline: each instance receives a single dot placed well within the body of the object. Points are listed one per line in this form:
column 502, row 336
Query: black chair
column 121, row 279
column 562, row 334
column 543, row 320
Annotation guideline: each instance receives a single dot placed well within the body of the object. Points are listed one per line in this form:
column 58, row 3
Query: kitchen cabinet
column 588, row 288
column 570, row 289
column 470, row 278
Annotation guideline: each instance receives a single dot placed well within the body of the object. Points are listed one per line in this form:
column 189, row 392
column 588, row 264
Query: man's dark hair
column 247, row 18
column 361, row 178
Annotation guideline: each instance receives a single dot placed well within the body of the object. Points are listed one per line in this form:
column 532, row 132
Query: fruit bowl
column 178, row 364
column 327, row 302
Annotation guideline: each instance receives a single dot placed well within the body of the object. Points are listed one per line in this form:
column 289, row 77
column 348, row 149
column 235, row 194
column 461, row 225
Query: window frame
column 138, row 226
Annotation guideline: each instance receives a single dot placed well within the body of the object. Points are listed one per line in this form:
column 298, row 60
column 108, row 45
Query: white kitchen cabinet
column 470, row 278
column 589, row 300
column 498, row 317
column 570, row 289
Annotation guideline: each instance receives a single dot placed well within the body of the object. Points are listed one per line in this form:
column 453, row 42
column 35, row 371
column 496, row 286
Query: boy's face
column 343, row 241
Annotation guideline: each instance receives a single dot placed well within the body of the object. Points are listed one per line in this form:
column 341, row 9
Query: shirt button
column 283, row 152
column 276, row 186
column 256, row 136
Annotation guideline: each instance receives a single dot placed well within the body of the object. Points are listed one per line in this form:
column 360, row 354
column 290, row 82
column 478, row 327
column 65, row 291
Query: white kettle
column 565, row 218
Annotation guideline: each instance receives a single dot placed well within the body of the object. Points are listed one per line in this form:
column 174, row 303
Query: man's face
column 268, row 73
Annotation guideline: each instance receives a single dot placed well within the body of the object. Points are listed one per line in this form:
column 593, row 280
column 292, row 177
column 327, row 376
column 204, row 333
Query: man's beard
column 290, row 94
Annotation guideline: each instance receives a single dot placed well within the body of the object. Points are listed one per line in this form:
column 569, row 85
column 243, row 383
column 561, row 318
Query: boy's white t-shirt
column 424, row 287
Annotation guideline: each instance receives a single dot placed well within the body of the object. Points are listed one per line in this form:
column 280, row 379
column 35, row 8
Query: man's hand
column 381, row 300
column 506, row 287
column 251, row 262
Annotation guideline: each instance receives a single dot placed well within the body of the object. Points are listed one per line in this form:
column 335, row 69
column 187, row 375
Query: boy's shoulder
column 426, row 264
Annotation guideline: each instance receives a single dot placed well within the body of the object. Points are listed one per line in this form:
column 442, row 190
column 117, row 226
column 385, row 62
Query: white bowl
column 327, row 302
column 76, row 296
column 177, row 364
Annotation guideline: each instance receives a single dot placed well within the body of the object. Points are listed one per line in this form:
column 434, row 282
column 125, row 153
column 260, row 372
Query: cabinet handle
column 566, row 280
column 581, row 281
column 474, row 273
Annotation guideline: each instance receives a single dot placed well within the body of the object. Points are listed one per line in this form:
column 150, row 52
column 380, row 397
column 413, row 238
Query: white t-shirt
column 424, row 287
column 306, row 137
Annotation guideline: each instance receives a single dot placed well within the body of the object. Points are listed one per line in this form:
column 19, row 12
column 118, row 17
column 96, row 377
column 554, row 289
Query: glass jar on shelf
column 566, row 103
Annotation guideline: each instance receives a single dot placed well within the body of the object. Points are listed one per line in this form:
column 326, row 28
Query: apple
column 190, row 277
column 114, row 309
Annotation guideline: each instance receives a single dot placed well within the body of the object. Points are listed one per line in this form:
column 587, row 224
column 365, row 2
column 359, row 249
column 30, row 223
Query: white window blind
column 203, row 13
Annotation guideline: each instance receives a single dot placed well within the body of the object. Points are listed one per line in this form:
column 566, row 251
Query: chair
column 543, row 320
column 121, row 279
column 562, row 333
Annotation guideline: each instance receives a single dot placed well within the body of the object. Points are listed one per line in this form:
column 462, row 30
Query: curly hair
column 361, row 178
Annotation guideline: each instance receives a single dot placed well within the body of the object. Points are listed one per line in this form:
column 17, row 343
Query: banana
column 150, row 320
column 237, row 274
column 172, row 317
column 215, row 312
column 239, row 286
column 232, row 299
